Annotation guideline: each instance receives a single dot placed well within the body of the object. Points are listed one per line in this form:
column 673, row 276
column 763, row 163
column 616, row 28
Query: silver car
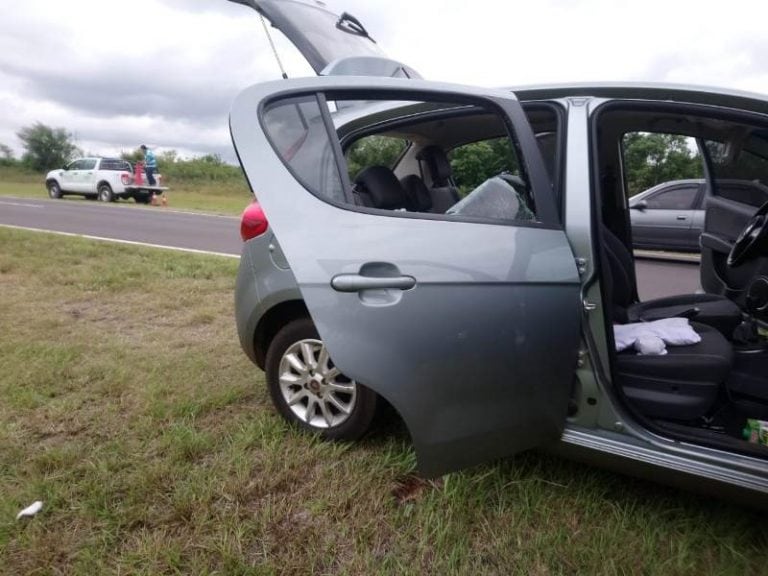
column 670, row 216
column 462, row 254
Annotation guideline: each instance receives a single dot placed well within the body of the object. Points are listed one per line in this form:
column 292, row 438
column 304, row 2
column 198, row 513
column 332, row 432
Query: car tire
column 54, row 190
column 310, row 392
column 105, row 193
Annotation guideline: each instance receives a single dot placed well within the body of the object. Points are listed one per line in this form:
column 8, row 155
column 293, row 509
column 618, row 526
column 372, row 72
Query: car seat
column 710, row 309
column 443, row 192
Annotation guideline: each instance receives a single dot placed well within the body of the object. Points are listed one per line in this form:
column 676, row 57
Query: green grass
column 229, row 197
column 127, row 406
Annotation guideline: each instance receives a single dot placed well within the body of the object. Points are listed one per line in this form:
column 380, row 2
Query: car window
column 652, row 158
column 675, row 199
column 740, row 172
column 373, row 150
column 474, row 163
column 297, row 131
column 76, row 165
column 88, row 164
column 496, row 190
column 114, row 164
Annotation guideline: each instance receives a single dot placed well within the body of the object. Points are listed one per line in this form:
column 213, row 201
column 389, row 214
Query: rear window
column 114, row 164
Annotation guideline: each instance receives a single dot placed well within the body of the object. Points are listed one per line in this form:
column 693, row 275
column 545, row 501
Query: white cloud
column 165, row 71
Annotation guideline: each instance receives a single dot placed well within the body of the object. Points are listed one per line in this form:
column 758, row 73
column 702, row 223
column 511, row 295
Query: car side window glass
column 475, row 162
column 373, row 150
column 298, row 134
column 675, row 199
column 89, row 164
column 372, row 135
column 740, row 169
column 653, row 158
column 76, row 165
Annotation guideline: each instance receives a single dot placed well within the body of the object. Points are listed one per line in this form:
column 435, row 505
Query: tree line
column 649, row 158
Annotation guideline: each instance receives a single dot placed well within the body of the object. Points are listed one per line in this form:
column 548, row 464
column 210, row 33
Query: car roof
column 648, row 91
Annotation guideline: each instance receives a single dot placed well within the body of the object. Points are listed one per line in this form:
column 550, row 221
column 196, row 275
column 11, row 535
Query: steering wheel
column 750, row 239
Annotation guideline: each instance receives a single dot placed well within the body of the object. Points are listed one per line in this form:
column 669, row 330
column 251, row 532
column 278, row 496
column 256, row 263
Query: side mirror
column 642, row 205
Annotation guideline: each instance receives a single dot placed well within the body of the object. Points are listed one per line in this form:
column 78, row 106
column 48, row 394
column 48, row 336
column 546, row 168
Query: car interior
column 703, row 392
column 422, row 179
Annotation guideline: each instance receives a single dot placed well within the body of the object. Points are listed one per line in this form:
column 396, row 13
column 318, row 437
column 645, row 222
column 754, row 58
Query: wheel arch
column 269, row 325
column 102, row 182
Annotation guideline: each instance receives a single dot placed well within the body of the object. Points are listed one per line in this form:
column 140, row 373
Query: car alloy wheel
column 310, row 391
column 54, row 191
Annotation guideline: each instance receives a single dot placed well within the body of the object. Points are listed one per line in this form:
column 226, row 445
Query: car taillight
column 253, row 222
column 126, row 179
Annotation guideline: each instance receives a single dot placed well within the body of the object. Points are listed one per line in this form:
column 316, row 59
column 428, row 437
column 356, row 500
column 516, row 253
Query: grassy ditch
column 127, row 406
column 218, row 197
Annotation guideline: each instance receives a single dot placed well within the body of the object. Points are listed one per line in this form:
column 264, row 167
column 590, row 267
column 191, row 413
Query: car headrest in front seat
column 438, row 164
column 378, row 187
column 417, row 194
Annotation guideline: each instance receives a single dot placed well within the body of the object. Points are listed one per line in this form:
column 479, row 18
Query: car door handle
column 358, row 283
column 682, row 217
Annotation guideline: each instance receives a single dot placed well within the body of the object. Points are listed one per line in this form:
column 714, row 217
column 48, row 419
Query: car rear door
column 468, row 326
column 87, row 179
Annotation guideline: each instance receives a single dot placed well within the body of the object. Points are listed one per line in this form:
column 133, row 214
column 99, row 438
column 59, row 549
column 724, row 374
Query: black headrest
column 438, row 164
column 416, row 193
column 382, row 187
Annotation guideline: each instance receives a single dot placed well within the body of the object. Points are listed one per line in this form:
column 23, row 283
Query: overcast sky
column 164, row 72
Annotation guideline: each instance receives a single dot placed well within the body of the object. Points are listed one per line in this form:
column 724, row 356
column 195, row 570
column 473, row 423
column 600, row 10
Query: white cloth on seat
column 644, row 336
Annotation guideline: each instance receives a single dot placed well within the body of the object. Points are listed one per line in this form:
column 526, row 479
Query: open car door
column 467, row 322
column 332, row 44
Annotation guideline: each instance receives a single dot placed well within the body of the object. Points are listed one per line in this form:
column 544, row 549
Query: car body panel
column 332, row 44
column 662, row 228
column 468, row 355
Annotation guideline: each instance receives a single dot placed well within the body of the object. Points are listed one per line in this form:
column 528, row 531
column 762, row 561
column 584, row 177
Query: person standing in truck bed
column 150, row 164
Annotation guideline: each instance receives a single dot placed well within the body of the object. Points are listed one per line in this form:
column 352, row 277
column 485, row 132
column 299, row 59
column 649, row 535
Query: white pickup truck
column 104, row 178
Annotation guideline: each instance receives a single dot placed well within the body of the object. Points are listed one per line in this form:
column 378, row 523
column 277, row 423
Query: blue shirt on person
column 149, row 159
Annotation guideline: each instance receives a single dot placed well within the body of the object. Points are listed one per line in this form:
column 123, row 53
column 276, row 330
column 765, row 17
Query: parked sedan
column 487, row 321
column 669, row 216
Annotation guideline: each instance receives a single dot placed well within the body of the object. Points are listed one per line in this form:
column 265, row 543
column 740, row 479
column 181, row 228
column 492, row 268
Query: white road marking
column 21, row 204
column 129, row 242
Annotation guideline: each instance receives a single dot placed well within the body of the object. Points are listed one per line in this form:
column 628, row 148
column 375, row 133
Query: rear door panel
column 477, row 350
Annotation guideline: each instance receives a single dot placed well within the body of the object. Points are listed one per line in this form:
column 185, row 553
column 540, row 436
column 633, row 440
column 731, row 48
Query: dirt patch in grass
column 127, row 406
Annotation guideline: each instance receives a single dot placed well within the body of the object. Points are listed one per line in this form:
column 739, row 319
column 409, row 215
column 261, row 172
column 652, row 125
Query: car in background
column 669, row 216
column 487, row 322
column 105, row 179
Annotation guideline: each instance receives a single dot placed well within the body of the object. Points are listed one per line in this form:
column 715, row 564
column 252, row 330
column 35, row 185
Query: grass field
column 127, row 407
column 214, row 197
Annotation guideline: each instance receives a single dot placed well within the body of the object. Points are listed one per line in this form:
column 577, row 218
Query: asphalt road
column 123, row 221
column 221, row 234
